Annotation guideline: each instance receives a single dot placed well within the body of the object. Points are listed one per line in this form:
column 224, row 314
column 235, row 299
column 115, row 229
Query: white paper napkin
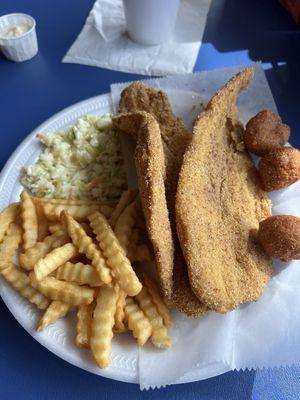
column 103, row 41
column 256, row 335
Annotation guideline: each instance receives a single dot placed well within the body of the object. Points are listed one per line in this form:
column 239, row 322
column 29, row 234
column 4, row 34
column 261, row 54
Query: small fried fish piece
column 10, row 244
column 56, row 310
column 21, row 282
column 66, row 292
column 137, row 322
column 29, row 221
column 116, row 259
column 159, row 336
column 7, row 216
column 102, row 325
column 84, row 325
column 86, row 246
column 53, row 260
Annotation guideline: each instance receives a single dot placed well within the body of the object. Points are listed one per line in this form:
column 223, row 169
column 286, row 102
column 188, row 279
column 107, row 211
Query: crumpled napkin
column 103, row 41
column 260, row 334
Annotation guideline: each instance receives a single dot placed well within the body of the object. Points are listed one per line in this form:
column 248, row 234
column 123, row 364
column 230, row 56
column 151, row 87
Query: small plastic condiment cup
column 150, row 22
column 22, row 47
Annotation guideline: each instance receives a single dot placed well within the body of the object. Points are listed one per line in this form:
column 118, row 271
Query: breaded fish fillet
column 151, row 172
column 158, row 205
column 175, row 138
column 219, row 204
column 138, row 97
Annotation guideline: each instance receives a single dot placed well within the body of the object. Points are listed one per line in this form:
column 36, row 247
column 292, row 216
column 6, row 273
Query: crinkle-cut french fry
column 86, row 246
column 30, row 257
column 82, row 274
column 10, row 244
column 88, row 230
column 71, row 202
column 56, row 309
column 29, row 221
column 140, row 254
column 159, row 336
column 124, row 225
column 80, row 212
column 42, row 223
column 126, row 198
column 102, row 325
column 62, row 232
column 117, row 261
column 62, row 238
column 66, row 292
column 137, row 322
column 84, row 325
column 7, row 216
column 120, row 312
column 54, row 227
column 21, row 282
column 153, row 290
column 54, row 259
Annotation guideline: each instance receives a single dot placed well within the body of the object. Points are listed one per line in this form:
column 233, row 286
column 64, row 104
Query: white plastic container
column 23, row 46
column 150, row 22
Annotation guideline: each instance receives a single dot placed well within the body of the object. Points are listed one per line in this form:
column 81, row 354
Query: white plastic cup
column 19, row 48
column 150, row 22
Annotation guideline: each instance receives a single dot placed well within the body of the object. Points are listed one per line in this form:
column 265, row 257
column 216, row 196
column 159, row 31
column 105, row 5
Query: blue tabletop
column 237, row 32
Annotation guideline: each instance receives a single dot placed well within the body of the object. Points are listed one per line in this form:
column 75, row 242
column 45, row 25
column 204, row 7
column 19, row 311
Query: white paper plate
column 59, row 337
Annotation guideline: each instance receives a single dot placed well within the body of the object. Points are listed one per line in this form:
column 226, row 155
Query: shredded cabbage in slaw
column 83, row 162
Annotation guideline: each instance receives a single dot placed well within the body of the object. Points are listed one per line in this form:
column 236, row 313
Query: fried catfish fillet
column 138, row 97
column 151, row 171
column 158, row 201
column 219, row 204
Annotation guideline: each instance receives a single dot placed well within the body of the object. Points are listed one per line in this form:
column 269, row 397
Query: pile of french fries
column 82, row 254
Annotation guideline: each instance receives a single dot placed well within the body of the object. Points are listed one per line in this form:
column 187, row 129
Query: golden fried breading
column 279, row 168
column 218, row 204
column 265, row 132
column 138, row 97
column 158, row 206
column 175, row 137
column 183, row 298
column 150, row 165
column 279, row 236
